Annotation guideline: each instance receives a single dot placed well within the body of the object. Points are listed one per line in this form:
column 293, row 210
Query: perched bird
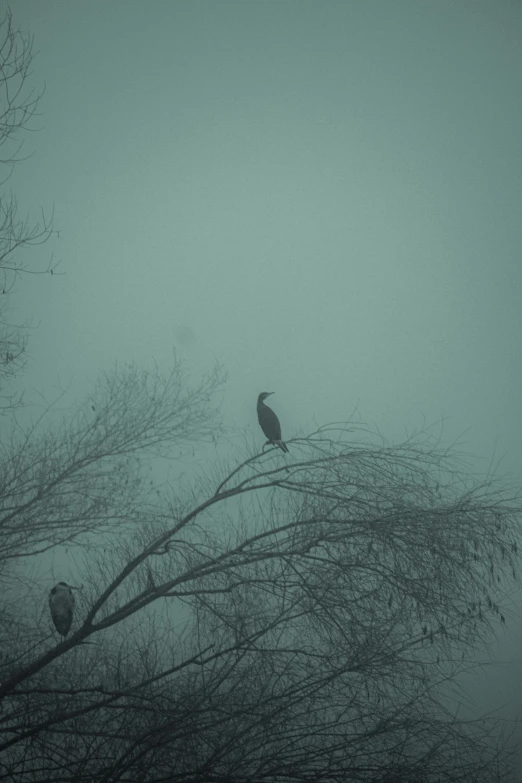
column 269, row 422
column 61, row 604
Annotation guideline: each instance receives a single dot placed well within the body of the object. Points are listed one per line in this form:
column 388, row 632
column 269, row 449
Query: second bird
column 269, row 422
column 61, row 603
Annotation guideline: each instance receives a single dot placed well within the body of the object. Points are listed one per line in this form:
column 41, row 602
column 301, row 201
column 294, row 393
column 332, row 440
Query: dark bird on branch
column 61, row 604
column 269, row 422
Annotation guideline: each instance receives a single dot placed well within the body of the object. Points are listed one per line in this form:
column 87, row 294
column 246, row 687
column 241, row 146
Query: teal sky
column 326, row 197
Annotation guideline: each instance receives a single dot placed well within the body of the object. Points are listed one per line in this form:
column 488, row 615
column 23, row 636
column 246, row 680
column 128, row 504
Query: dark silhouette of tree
column 18, row 106
column 300, row 620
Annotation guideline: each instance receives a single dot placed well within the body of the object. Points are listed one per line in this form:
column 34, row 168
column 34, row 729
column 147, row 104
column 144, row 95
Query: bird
column 61, row 604
column 269, row 422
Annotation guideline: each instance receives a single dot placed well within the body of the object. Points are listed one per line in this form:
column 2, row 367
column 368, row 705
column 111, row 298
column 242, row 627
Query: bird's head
column 264, row 395
column 62, row 587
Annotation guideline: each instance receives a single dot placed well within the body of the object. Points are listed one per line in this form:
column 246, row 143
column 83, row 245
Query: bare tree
column 18, row 106
column 298, row 617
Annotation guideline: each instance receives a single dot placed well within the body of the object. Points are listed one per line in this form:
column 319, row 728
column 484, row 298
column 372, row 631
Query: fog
column 325, row 198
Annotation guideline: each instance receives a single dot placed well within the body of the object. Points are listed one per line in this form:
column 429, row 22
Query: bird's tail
column 282, row 446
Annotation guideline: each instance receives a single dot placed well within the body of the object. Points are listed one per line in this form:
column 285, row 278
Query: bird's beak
column 269, row 393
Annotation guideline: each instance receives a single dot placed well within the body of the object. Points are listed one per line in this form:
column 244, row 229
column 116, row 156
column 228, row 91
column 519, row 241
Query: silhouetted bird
column 269, row 422
column 61, row 604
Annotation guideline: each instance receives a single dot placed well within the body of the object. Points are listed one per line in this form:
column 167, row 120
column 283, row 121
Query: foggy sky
column 325, row 197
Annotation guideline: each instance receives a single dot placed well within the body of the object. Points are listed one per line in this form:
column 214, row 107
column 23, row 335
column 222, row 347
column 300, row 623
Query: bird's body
column 61, row 604
column 269, row 422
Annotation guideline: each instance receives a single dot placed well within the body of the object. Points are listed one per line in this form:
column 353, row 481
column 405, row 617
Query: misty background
column 325, row 197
